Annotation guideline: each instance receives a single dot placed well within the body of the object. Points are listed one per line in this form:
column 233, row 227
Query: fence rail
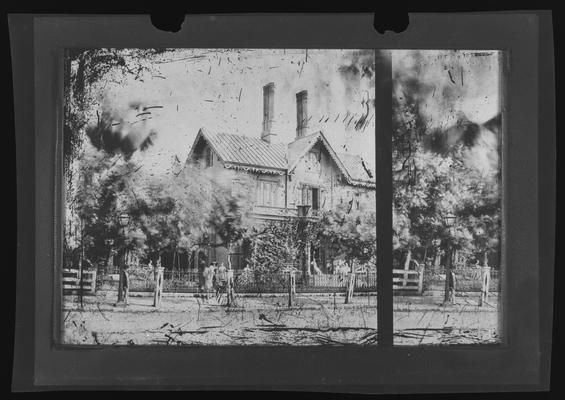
column 72, row 282
column 404, row 281
column 407, row 280
column 244, row 281
column 467, row 279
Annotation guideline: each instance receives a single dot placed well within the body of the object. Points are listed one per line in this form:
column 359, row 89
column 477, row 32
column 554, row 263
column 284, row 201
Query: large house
column 283, row 177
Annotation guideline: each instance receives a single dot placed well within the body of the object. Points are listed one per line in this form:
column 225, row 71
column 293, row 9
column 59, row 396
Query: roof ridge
column 235, row 148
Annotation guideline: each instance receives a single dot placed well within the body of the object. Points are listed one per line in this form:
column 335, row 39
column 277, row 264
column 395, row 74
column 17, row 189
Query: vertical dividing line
column 383, row 127
column 59, row 200
column 503, row 72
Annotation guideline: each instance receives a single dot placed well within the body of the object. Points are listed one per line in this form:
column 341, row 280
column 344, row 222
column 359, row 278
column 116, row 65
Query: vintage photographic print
column 446, row 151
column 228, row 197
column 219, row 197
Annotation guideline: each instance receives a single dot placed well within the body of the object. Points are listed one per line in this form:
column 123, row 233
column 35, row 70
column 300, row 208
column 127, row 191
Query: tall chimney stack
column 301, row 113
column 268, row 111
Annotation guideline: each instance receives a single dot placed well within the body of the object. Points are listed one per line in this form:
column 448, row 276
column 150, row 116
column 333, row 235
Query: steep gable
column 359, row 169
column 244, row 151
column 254, row 154
column 353, row 168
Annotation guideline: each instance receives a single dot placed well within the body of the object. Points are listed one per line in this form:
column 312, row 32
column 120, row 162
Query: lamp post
column 123, row 220
column 449, row 274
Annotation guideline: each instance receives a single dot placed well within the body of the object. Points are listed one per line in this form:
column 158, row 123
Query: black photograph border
column 522, row 363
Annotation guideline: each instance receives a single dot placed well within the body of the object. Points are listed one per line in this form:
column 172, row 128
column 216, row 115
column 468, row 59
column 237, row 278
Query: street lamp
column 303, row 210
column 450, row 220
column 449, row 274
column 123, row 220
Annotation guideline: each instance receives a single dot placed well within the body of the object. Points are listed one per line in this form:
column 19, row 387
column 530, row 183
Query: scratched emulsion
column 222, row 88
column 219, row 197
column 447, row 124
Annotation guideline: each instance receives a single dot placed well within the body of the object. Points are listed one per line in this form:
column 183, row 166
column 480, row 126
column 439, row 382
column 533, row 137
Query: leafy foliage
column 85, row 68
column 351, row 233
column 441, row 172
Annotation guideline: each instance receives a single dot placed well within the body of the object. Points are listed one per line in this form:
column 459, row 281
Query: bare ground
column 267, row 320
column 189, row 320
column 424, row 320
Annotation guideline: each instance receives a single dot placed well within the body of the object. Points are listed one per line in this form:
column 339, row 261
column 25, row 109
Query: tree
column 100, row 197
column 228, row 219
column 351, row 233
column 452, row 169
column 280, row 243
column 84, row 70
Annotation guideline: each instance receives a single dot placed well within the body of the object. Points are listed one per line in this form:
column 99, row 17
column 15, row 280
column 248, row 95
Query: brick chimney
column 301, row 113
column 268, row 112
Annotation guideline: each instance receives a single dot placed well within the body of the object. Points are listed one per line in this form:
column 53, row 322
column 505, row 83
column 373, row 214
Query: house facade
column 278, row 178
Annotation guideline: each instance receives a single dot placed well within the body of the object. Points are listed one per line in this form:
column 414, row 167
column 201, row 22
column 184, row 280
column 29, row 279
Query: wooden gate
column 72, row 283
column 407, row 281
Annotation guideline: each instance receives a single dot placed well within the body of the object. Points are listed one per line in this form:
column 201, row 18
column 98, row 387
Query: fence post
column 158, row 294
column 125, row 287
column 420, row 279
column 350, row 287
column 291, row 288
column 229, row 288
column 93, row 280
column 485, row 282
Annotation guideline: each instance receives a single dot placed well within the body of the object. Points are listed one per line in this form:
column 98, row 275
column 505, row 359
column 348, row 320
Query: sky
column 452, row 82
column 222, row 90
column 455, row 84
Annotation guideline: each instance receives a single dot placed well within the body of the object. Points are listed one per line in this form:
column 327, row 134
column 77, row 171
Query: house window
column 311, row 197
column 314, row 161
column 315, row 199
column 267, row 193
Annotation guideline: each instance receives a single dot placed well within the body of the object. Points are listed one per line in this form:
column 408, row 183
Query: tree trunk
column 121, row 281
column 449, row 278
column 107, row 261
column 407, row 260
column 425, row 255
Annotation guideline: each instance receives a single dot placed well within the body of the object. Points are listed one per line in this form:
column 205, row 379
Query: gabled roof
column 250, row 153
column 353, row 167
column 359, row 169
column 299, row 148
column 244, row 150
